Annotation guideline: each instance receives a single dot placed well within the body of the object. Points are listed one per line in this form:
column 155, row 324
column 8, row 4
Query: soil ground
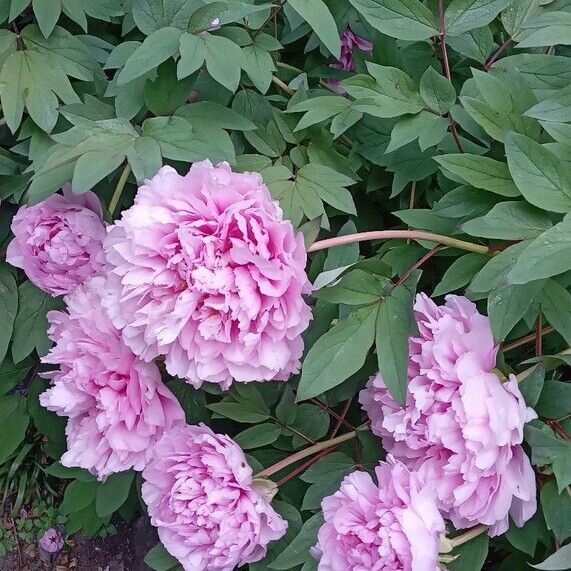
column 123, row 551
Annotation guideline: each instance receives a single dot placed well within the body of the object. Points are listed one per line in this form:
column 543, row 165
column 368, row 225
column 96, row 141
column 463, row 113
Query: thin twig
column 497, row 54
column 340, row 420
column 446, row 67
column 282, row 85
column 418, row 264
column 332, row 413
column 316, row 448
column 273, row 14
column 538, row 336
column 388, row 234
column 527, row 339
column 119, row 189
column 301, row 469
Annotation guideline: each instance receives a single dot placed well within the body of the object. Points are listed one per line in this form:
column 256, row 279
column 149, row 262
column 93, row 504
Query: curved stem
column 119, row 189
column 388, row 234
column 468, row 535
column 305, row 453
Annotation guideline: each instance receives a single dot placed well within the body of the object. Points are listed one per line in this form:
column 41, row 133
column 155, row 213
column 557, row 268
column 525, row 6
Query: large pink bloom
column 59, row 242
column 209, row 275
column 389, row 526
column 198, row 489
column 117, row 404
column 460, row 426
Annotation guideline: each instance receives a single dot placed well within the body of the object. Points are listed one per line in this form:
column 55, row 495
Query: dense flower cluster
column 59, row 242
column 461, row 426
column 117, row 404
column 198, row 489
column 389, row 526
column 209, row 275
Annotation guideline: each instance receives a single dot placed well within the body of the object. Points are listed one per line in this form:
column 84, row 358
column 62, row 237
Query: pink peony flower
column 460, row 426
column 209, row 275
column 51, row 541
column 349, row 41
column 389, row 526
column 117, row 404
column 59, row 242
column 198, row 489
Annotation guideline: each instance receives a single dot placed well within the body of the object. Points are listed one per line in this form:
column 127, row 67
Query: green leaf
column 159, row 559
column 28, row 79
column 145, row 158
column 157, row 48
column 548, row 255
column 460, row 273
column 328, row 185
column 476, row 44
column 12, row 374
column 559, row 561
column 481, row 172
column 13, row 423
column 464, row 15
column 557, row 510
column 94, row 166
column 403, row 19
column 427, row 127
column 357, row 287
column 31, row 325
column 16, row 8
column 532, row 385
column 78, row 495
column 438, row 93
column 393, row 327
column 113, row 493
column 258, row 436
column 259, row 66
column 224, row 60
column 471, row 555
column 166, row 93
column 192, row 55
column 46, row 422
column 317, row 15
column 8, row 307
column 546, row 448
column 213, row 115
column 239, row 412
column 538, row 173
column 556, row 306
column 527, row 537
column 318, row 109
column 62, row 472
column 297, row 552
column 507, row 305
column 47, row 14
column 152, row 15
column 555, row 400
column 509, row 221
column 338, row 353
column 390, row 92
column 556, row 108
column 493, row 275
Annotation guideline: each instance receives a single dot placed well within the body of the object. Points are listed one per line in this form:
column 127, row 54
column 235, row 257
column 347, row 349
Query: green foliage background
column 458, row 124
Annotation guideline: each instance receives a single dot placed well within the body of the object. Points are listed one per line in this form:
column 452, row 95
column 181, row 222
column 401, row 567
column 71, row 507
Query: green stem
column 305, row 453
column 119, row 189
column 404, row 234
column 289, row 67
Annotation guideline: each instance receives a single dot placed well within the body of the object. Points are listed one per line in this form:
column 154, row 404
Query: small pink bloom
column 460, row 426
column 51, row 541
column 117, row 404
column 208, row 274
column 59, row 242
column 388, row 526
column 198, row 489
column 349, row 41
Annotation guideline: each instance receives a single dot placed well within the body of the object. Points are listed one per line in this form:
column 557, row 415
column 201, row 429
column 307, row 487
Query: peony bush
column 289, row 282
